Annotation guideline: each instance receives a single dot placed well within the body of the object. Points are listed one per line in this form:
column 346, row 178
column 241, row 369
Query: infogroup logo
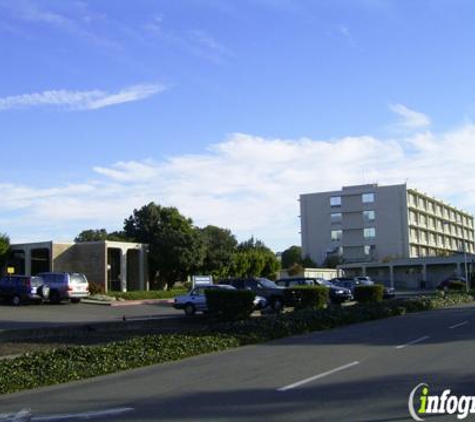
column 420, row 404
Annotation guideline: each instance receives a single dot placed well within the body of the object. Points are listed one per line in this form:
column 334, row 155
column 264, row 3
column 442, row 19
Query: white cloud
column 246, row 183
column 80, row 100
column 411, row 119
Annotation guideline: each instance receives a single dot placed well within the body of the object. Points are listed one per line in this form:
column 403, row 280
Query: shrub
column 96, row 288
column 306, row 297
column 230, row 305
column 369, row 294
column 34, row 370
column 455, row 285
column 151, row 294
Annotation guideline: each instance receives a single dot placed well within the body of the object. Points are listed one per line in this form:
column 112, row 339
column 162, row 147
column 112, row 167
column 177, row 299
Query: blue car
column 18, row 289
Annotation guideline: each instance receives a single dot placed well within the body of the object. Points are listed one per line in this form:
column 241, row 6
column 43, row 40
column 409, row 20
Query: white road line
column 85, row 415
column 458, row 325
column 402, row 346
column 316, row 377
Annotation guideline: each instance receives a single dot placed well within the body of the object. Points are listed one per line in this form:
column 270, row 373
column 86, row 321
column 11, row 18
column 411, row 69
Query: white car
column 195, row 300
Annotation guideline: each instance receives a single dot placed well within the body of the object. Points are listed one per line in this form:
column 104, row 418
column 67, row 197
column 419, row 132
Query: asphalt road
column 49, row 315
column 363, row 372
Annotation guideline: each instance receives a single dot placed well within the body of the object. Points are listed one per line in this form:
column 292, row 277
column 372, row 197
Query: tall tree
column 176, row 247
column 94, row 235
column 253, row 259
column 220, row 245
column 91, row 235
column 4, row 249
column 291, row 256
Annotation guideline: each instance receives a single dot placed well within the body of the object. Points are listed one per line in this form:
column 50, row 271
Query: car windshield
column 267, row 283
column 78, row 279
column 324, row 282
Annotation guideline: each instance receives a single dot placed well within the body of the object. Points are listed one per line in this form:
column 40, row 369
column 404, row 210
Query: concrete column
column 424, row 273
column 363, row 270
column 142, row 269
column 459, row 269
column 123, row 270
column 28, row 261
column 391, row 275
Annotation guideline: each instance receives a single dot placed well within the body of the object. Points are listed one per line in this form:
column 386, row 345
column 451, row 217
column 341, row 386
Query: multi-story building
column 370, row 223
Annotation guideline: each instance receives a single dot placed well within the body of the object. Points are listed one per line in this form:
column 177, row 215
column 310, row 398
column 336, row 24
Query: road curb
column 118, row 303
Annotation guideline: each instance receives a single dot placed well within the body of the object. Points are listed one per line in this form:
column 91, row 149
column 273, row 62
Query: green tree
column 291, row 256
column 308, row 262
column 4, row 249
column 94, row 235
column 219, row 245
column 176, row 246
column 91, row 235
column 254, row 259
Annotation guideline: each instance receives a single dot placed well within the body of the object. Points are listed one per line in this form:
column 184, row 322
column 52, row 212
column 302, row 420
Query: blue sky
column 227, row 109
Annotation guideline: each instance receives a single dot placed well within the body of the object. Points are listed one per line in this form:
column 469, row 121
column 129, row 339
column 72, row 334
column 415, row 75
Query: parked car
column 66, row 286
column 351, row 283
column 452, row 283
column 18, row 289
column 263, row 287
column 337, row 294
column 195, row 300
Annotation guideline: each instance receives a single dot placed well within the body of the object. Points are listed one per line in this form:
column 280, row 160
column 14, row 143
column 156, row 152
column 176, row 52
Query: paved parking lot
column 48, row 315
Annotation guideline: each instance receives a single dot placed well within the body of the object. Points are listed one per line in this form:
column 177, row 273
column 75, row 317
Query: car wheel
column 75, row 300
column 16, row 300
column 43, row 291
column 190, row 309
column 277, row 305
column 54, row 296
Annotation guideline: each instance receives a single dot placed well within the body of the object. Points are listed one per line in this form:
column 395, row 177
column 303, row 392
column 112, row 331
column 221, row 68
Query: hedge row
column 39, row 369
column 369, row 294
column 230, row 305
column 306, row 297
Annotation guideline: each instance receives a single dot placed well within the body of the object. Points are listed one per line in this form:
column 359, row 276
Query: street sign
column 202, row 280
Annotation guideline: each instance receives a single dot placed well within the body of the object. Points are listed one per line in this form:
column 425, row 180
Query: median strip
column 317, row 377
column 419, row 340
column 458, row 325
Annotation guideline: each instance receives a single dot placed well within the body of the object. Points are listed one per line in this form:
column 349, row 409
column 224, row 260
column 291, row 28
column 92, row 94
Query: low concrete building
column 414, row 273
column 117, row 266
column 326, row 273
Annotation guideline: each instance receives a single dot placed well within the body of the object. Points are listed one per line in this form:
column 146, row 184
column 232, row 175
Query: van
column 66, row 286
column 18, row 289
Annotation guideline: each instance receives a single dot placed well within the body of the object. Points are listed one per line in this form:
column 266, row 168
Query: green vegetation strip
column 152, row 294
column 39, row 369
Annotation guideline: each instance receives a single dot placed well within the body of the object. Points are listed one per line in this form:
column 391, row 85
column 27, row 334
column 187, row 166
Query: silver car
column 195, row 300
column 66, row 286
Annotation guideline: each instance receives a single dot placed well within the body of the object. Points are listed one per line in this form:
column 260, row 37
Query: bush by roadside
column 230, row 305
column 306, row 297
column 369, row 294
column 74, row 363
column 152, row 294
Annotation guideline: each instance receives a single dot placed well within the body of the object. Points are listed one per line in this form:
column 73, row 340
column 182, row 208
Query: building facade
column 117, row 266
column 371, row 223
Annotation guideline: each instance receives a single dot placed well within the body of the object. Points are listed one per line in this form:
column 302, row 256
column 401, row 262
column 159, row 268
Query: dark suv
column 20, row 288
column 261, row 287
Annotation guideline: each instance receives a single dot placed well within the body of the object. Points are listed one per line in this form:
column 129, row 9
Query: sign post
column 202, row 280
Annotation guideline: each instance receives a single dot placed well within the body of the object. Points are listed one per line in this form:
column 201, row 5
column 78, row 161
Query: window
column 369, row 215
column 367, row 198
column 369, row 249
column 412, row 217
column 336, row 217
column 335, row 201
column 370, row 233
column 336, row 235
column 414, row 252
